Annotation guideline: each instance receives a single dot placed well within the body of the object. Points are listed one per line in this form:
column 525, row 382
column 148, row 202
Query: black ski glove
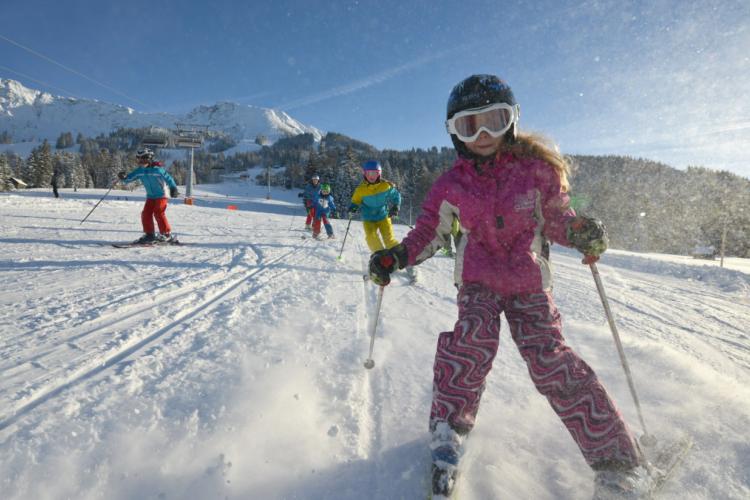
column 174, row 192
column 385, row 262
column 121, row 175
column 393, row 212
column 589, row 236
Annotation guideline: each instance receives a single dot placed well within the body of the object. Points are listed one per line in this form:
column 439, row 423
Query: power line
column 111, row 89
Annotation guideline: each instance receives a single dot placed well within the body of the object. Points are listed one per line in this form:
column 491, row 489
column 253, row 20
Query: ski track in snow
column 232, row 367
column 85, row 366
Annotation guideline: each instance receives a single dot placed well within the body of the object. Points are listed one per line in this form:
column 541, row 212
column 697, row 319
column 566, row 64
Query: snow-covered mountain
column 32, row 115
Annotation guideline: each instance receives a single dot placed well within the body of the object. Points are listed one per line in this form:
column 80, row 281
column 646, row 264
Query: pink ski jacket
column 508, row 210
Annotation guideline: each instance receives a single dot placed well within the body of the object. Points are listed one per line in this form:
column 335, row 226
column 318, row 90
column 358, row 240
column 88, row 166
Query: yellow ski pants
column 385, row 230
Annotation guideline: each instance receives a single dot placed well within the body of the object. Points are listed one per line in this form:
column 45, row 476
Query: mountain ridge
column 29, row 114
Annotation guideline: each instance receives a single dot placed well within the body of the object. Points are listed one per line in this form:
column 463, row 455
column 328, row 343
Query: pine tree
column 347, row 178
column 5, row 174
column 40, row 166
column 64, row 140
column 312, row 166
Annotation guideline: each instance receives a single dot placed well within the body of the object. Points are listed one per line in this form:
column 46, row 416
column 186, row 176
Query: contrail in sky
column 362, row 83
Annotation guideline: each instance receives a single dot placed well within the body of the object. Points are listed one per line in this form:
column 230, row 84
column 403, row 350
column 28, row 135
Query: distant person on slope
column 323, row 207
column 312, row 190
column 509, row 192
column 55, row 182
column 155, row 180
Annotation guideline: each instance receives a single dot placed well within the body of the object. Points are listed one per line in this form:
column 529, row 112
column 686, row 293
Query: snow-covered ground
column 232, row 367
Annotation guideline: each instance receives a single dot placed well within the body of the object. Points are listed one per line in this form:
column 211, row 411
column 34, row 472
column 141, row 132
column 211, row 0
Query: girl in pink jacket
column 509, row 192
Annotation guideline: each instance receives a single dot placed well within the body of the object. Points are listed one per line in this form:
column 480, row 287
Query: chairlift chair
column 155, row 139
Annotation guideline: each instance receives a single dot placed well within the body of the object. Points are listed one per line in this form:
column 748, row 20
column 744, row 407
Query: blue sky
column 666, row 80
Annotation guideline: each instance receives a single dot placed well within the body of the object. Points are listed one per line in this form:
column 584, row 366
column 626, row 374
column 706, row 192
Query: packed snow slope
column 232, row 367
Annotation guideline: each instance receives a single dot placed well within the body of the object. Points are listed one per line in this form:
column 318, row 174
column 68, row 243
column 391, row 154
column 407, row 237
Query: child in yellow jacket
column 378, row 201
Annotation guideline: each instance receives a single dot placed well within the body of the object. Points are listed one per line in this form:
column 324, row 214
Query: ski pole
column 97, row 203
column 647, row 438
column 345, row 235
column 369, row 362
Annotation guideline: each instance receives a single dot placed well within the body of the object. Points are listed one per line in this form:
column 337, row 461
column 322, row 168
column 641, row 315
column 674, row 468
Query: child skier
column 378, row 200
column 312, row 190
column 154, row 179
column 509, row 191
column 323, row 206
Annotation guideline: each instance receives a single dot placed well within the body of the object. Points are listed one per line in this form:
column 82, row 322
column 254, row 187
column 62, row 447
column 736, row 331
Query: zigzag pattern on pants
column 464, row 358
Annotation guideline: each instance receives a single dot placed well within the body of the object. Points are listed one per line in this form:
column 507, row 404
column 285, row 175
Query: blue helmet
column 372, row 165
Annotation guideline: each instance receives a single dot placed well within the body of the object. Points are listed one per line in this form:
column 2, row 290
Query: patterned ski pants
column 464, row 358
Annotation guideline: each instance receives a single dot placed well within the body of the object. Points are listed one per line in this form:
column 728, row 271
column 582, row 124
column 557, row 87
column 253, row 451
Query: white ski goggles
column 495, row 120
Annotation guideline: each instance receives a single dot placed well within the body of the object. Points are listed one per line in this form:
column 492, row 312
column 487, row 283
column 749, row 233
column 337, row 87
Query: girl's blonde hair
column 533, row 145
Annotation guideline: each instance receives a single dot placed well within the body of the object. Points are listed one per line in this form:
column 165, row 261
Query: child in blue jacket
column 155, row 180
column 323, row 206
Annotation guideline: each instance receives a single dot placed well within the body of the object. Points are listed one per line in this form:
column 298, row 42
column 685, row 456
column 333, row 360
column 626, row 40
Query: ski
column 153, row 244
column 664, row 460
column 443, row 483
column 661, row 459
column 447, row 449
column 326, row 238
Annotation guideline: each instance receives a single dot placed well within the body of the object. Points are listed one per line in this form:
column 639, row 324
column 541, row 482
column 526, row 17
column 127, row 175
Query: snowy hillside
column 33, row 115
column 231, row 367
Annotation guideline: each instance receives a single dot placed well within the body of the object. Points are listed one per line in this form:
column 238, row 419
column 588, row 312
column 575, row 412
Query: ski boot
column 629, row 484
column 308, row 227
column 331, row 236
column 146, row 239
column 166, row 238
column 446, row 448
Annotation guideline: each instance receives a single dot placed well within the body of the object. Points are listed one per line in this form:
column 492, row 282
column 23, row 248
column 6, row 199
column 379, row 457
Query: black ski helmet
column 478, row 91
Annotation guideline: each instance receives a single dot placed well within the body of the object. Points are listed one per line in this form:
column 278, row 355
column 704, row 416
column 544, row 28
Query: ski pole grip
column 387, row 261
column 577, row 224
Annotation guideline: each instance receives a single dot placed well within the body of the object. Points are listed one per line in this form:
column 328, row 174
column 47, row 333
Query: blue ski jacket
column 324, row 205
column 154, row 179
column 311, row 192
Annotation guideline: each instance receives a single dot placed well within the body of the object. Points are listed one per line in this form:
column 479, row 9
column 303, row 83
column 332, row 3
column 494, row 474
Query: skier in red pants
column 155, row 179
